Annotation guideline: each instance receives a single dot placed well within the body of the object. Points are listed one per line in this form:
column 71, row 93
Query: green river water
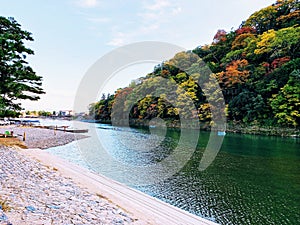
column 253, row 179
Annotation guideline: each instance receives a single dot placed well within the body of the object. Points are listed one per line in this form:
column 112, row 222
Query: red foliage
column 279, row 62
column 220, row 36
column 246, row 30
column 275, row 64
column 266, row 65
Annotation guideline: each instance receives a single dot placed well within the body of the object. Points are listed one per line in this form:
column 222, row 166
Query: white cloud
column 151, row 17
column 160, row 11
column 158, row 5
column 87, row 3
column 116, row 42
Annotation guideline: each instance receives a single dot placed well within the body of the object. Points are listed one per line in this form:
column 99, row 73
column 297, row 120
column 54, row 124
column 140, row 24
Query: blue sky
column 70, row 35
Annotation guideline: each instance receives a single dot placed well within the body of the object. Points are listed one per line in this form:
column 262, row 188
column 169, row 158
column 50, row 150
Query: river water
column 253, row 179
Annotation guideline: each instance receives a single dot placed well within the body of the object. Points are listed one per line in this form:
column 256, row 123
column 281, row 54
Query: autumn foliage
column 235, row 73
column 256, row 66
column 220, row 36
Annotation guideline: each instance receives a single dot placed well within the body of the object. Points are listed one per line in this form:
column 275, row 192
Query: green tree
column 148, row 107
column 247, row 107
column 252, row 66
column 288, row 13
column 279, row 43
column 263, row 20
column 286, row 104
column 187, row 98
column 17, row 78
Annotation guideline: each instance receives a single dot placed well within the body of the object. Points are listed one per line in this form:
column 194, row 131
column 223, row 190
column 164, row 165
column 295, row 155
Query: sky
column 71, row 35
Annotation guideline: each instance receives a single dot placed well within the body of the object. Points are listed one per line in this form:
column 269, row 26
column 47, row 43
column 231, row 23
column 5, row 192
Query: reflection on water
column 253, row 180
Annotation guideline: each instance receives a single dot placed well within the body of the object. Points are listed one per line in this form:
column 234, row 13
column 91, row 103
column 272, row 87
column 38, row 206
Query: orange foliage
column 165, row 73
column 288, row 17
column 240, row 41
column 235, row 73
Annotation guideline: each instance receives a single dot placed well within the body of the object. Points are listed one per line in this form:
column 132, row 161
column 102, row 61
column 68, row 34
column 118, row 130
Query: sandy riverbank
column 42, row 138
column 40, row 188
column 37, row 194
column 34, row 193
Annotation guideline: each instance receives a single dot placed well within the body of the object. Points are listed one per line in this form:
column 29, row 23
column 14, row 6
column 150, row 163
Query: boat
column 221, row 133
column 73, row 130
column 24, row 121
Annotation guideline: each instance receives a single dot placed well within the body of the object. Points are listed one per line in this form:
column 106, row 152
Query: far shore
column 230, row 127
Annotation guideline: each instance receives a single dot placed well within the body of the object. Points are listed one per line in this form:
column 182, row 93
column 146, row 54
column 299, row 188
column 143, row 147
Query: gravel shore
column 42, row 138
column 32, row 193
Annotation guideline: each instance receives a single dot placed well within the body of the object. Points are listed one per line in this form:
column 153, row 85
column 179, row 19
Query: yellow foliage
column 264, row 44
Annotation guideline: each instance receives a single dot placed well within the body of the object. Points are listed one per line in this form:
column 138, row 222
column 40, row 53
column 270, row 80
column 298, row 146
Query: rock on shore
column 32, row 193
column 42, row 138
column 37, row 194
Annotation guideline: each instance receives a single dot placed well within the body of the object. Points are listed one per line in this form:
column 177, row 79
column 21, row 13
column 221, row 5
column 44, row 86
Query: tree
column 286, row 104
column 236, row 73
column 279, row 43
column 263, row 20
column 187, row 98
column 264, row 45
column 241, row 41
column 102, row 109
column 288, row 13
column 252, row 66
column 117, row 110
column 17, row 78
column 212, row 110
column 219, row 36
column 183, row 60
column 247, row 107
column 148, row 107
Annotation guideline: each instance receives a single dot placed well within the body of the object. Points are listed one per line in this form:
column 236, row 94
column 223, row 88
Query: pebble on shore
column 42, row 138
column 37, row 194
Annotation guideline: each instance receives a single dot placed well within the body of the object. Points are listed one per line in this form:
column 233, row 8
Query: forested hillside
column 257, row 67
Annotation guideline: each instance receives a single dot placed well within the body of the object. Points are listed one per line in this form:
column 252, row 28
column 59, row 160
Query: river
column 253, row 179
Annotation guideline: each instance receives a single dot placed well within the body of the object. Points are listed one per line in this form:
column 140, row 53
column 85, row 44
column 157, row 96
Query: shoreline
column 230, row 128
column 33, row 192
column 146, row 208
column 40, row 137
column 264, row 130
column 31, row 177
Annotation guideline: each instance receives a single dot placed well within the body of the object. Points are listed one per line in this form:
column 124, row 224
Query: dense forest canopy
column 257, row 67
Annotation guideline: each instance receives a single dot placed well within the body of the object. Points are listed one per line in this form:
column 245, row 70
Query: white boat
column 221, row 133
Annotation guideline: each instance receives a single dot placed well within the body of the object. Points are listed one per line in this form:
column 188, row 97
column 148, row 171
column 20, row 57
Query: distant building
column 65, row 113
